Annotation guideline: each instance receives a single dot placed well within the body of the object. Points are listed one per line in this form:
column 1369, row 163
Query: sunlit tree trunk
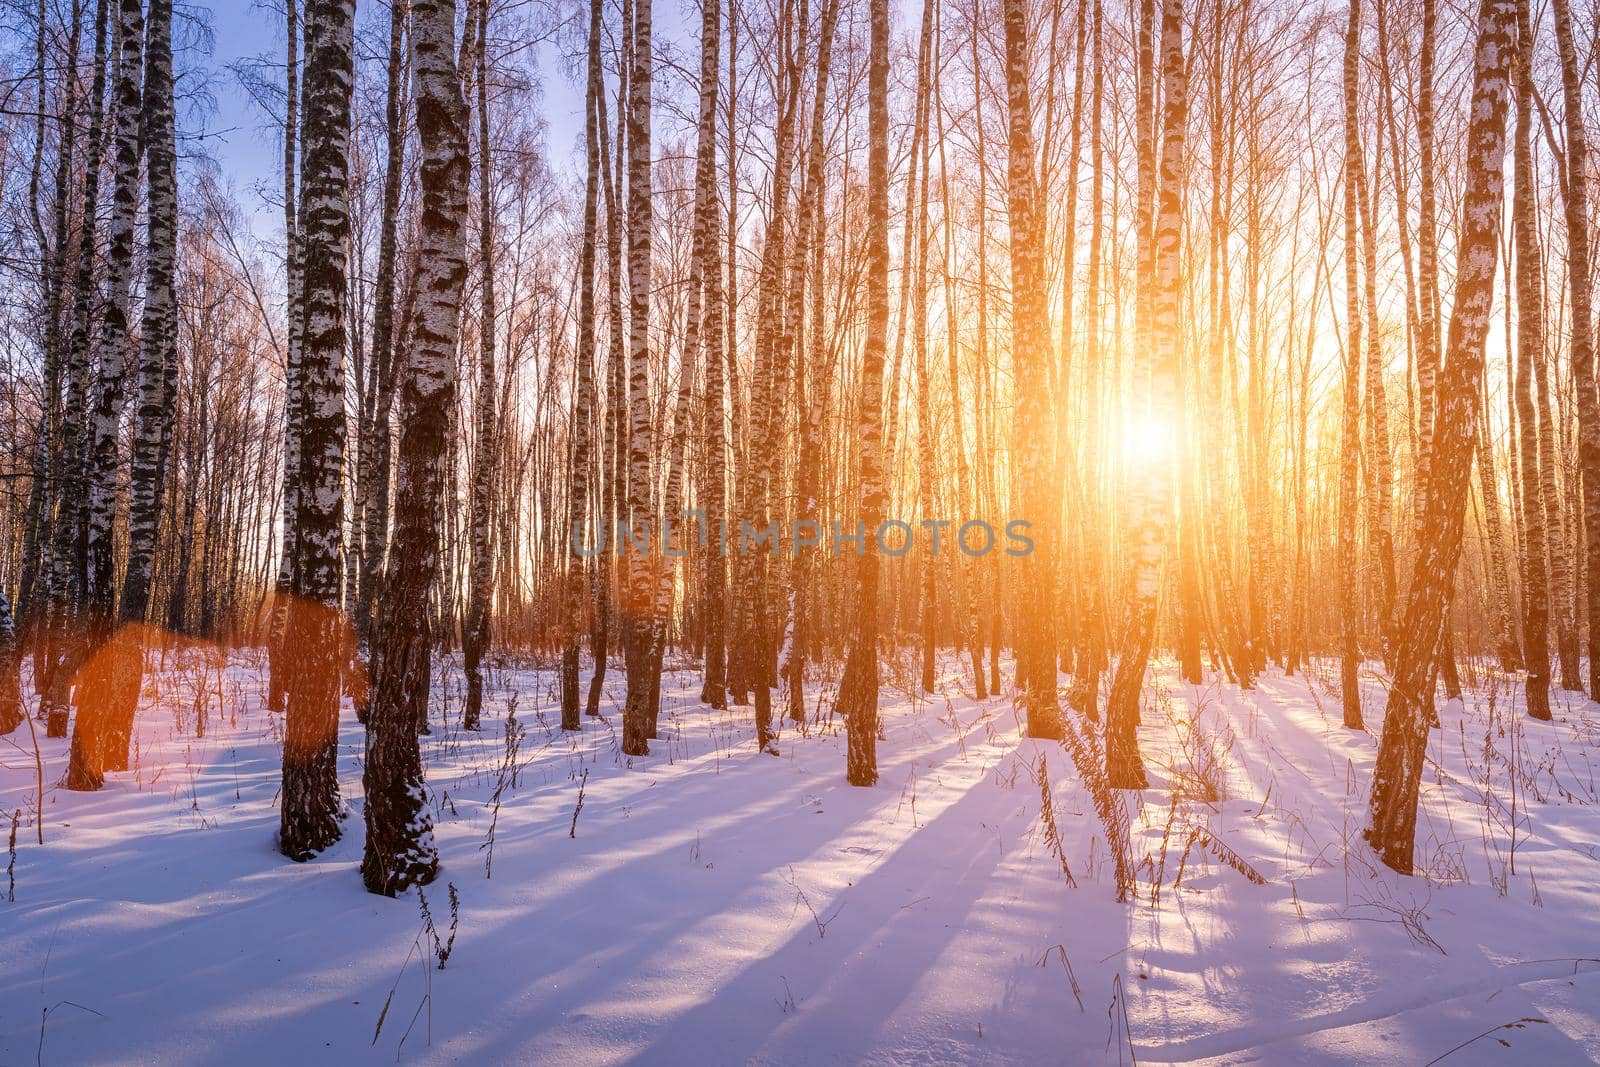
column 927, row 472
column 582, row 459
column 1030, row 353
column 614, row 490
column 858, row 690
column 1578, row 280
column 1379, row 458
column 1152, row 486
column 158, row 353
column 983, row 376
column 1561, row 544
column 1398, row 773
column 376, row 447
column 315, row 641
column 278, row 667
column 49, row 472
column 1530, row 348
column 638, row 605
column 1500, row 607
column 1092, row 652
column 810, row 394
column 68, row 546
column 399, row 846
column 91, row 750
column 1427, row 258
column 1220, row 362
column 965, row 608
column 696, row 335
column 713, row 493
column 11, row 709
column 759, row 490
column 486, row 459
column 1350, row 425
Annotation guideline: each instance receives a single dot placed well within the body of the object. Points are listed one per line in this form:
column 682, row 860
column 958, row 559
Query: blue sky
column 249, row 151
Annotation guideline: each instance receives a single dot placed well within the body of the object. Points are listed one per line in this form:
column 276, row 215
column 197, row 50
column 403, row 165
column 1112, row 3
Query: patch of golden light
column 1148, row 438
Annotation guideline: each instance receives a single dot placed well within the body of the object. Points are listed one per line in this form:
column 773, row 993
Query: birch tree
column 92, row 750
column 638, row 608
column 1579, row 284
column 583, row 417
column 475, row 639
column 158, row 359
column 376, row 447
column 858, row 689
column 68, row 565
column 399, row 848
column 1152, row 488
column 1397, row 776
column 314, row 637
column 1350, row 425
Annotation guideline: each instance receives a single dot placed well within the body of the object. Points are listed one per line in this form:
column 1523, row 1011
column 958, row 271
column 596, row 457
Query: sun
column 1148, row 438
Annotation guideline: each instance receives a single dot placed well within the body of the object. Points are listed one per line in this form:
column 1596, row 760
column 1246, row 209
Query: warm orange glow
column 1148, row 438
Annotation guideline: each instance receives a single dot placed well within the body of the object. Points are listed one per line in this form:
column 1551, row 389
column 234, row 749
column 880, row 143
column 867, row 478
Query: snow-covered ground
column 710, row 904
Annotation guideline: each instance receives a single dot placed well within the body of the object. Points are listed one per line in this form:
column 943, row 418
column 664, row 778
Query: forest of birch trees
column 822, row 347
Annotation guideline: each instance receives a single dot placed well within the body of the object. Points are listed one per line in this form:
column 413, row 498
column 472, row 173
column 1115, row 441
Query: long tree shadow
column 852, row 965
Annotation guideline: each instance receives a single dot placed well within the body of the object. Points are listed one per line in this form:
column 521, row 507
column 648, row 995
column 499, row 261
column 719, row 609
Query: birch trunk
column 1152, row 488
column 1398, row 773
column 1579, row 282
column 315, row 641
column 486, row 458
column 399, row 848
column 638, row 607
column 68, row 546
column 91, row 751
column 278, row 667
column 858, row 689
column 158, row 356
column 583, row 418
column 377, row 447
column 1032, row 439
column 1530, row 348
column 1350, row 429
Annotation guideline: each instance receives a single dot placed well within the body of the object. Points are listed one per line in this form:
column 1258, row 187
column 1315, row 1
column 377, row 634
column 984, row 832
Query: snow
column 717, row 905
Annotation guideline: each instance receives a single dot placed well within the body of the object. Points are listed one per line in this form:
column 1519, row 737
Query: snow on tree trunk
column 1398, row 773
column 399, row 847
column 315, row 642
